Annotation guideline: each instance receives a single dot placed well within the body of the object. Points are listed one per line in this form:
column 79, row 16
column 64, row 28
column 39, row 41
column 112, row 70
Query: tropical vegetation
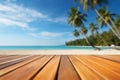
column 104, row 18
column 109, row 38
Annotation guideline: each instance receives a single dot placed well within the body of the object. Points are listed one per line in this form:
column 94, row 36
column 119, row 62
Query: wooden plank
column 111, row 57
column 49, row 71
column 8, row 61
column 10, row 58
column 106, row 62
column 66, row 70
column 7, row 57
column 84, row 72
column 102, row 70
column 13, row 67
column 12, row 62
column 3, row 56
column 26, row 72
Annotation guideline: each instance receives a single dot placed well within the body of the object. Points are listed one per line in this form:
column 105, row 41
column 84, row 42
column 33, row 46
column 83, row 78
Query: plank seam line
column 107, row 59
column 8, row 57
column 13, row 60
column 74, row 68
column 17, row 61
column 20, row 66
column 92, row 69
column 40, row 69
column 106, row 68
column 56, row 77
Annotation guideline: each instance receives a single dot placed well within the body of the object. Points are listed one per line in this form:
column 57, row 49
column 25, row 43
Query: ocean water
column 47, row 47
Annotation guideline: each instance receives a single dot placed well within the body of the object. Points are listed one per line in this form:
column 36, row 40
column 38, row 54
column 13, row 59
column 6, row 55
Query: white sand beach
column 60, row 52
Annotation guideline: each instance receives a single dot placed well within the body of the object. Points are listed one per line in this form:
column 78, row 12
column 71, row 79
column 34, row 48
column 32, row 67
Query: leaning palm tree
column 87, row 4
column 76, row 33
column 108, row 20
column 77, row 19
column 94, row 28
column 110, row 16
column 84, row 31
column 117, row 23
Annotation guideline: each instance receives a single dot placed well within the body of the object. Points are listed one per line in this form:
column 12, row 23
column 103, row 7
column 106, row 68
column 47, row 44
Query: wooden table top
column 56, row 67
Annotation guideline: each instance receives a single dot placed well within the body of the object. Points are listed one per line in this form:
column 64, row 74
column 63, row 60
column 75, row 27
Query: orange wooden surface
column 68, row 67
column 66, row 70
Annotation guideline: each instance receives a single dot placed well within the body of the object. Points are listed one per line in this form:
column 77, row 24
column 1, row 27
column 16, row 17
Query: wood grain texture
column 83, row 71
column 100, row 68
column 4, row 59
column 27, row 70
column 111, row 57
column 13, row 61
column 50, row 67
column 13, row 67
column 66, row 70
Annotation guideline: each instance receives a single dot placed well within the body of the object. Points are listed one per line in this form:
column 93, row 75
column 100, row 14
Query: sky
column 39, row 22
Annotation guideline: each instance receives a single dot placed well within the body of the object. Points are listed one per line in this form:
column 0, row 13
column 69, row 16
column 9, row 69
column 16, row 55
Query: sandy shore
column 59, row 52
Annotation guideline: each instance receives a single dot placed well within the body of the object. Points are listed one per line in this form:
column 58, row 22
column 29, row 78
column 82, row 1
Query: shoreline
column 60, row 52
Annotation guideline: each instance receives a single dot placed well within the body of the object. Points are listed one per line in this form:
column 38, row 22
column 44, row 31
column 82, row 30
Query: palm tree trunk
column 115, row 28
column 87, row 40
column 90, row 43
column 106, row 23
column 103, row 40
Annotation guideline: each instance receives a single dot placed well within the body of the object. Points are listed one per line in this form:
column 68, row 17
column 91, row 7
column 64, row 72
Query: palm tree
column 94, row 28
column 76, row 33
column 87, row 4
column 77, row 19
column 84, row 32
column 108, row 20
column 110, row 16
column 117, row 22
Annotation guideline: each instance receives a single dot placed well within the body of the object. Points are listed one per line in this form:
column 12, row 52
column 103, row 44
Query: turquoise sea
column 46, row 47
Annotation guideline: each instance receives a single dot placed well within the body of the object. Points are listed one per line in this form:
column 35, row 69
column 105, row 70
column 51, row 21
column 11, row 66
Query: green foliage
column 76, row 18
column 76, row 33
column 109, row 37
column 104, row 18
column 117, row 22
column 87, row 4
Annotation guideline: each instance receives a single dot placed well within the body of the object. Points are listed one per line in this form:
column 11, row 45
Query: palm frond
column 76, row 33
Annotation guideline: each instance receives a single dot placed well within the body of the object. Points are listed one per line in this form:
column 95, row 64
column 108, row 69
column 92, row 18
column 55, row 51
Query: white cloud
column 10, row 0
column 9, row 22
column 17, row 15
column 49, row 34
column 58, row 20
column 52, row 38
column 13, row 15
column 12, row 23
column 61, row 19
